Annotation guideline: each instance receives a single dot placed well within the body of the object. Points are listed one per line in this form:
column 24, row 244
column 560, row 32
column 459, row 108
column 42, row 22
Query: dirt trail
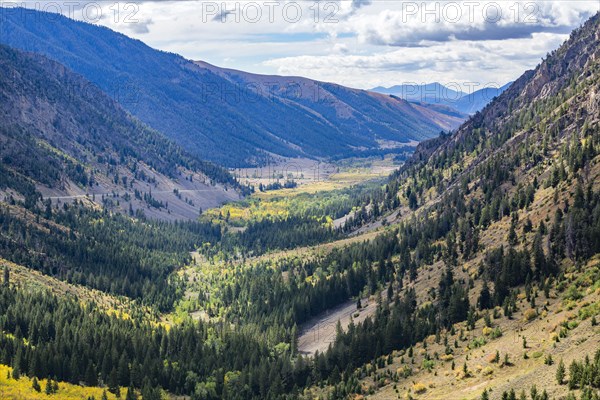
column 319, row 332
column 122, row 193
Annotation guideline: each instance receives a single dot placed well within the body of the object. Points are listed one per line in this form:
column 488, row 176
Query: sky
column 357, row 43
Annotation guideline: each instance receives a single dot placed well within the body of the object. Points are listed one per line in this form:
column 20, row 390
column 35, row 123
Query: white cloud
column 412, row 24
column 340, row 48
column 362, row 43
column 464, row 63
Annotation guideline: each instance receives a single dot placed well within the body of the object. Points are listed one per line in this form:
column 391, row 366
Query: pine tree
column 294, row 341
column 131, row 394
column 149, row 393
column 485, row 395
column 512, row 235
column 36, row 385
column 560, row 372
column 16, row 373
column 113, row 382
column 6, row 275
column 91, row 377
column 497, row 357
column 123, row 372
column 485, row 297
column 48, row 389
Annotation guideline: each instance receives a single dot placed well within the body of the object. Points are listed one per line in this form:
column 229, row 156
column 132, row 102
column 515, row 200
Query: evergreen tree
column 6, row 275
column 16, row 373
column 113, row 382
column 560, row 372
column 485, row 395
column 150, row 393
column 91, row 377
column 131, row 395
column 48, row 388
column 36, row 385
column 485, row 298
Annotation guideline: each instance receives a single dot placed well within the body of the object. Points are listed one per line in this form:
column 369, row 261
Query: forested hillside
column 510, row 202
column 62, row 136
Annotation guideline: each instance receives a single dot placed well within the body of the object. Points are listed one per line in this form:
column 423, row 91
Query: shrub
column 573, row 293
column 477, row 342
column 428, row 365
column 419, row 388
column 530, row 315
column 496, row 333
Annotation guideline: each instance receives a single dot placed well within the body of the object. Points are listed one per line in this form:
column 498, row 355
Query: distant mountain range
column 436, row 93
column 433, row 93
column 218, row 114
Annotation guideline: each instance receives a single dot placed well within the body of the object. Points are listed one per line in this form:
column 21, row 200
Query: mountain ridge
column 205, row 113
column 297, row 89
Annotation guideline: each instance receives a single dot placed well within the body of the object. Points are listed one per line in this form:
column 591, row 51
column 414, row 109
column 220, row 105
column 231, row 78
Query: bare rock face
column 539, row 85
column 593, row 103
column 562, row 65
column 575, row 62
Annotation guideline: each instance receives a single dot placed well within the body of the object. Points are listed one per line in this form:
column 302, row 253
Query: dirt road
column 319, row 332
